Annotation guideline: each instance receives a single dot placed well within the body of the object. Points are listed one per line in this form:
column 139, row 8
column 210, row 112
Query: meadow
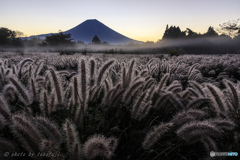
column 119, row 107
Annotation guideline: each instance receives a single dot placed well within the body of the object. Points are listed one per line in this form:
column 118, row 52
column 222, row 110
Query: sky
column 143, row 20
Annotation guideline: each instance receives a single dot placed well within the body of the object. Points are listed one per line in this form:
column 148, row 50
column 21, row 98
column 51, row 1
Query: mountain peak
column 91, row 20
column 88, row 29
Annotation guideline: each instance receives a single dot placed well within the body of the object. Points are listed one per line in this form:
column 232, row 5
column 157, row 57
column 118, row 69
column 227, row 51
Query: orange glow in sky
column 137, row 19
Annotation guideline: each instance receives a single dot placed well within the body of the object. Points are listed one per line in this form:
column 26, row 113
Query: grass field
column 119, row 107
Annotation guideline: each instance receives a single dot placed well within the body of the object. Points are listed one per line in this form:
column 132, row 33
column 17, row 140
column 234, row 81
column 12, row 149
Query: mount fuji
column 88, row 29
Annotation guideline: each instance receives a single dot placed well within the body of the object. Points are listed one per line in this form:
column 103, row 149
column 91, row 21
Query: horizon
column 138, row 20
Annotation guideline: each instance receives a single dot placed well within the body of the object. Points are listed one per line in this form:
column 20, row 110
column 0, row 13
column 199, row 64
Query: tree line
column 229, row 30
column 10, row 38
column 225, row 40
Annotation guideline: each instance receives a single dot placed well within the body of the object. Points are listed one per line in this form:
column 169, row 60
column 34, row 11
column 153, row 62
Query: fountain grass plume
column 124, row 77
column 145, row 105
column 95, row 92
column 176, row 103
column 198, row 87
column 193, row 92
column 197, row 102
column 103, row 70
column 38, row 68
column 189, row 115
column 162, row 100
column 9, row 93
column 143, row 73
column 14, row 70
column 144, row 111
column 137, row 105
column 162, row 83
column 195, row 76
column 4, row 108
column 155, row 134
column 79, row 114
column 75, row 92
column 71, row 134
column 217, row 99
column 83, row 80
column 192, row 68
column 49, row 130
column 130, row 72
column 197, row 129
column 147, row 81
column 33, row 88
column 234, row 95
column 23, row 62
column 52, row 103
column 57, row 85
column 116, row 98
column 186, row 95
column 92, row 63
column 107, row 84
column 226, row 124
column 3, row 122
column 112, row 94
column 131, row 91
column 21, row 65
column 99, row 146
column 175, row 87
column 22, row 91
column 26, row 133
column 44, row 103
column 30, row 71
column 108, row 96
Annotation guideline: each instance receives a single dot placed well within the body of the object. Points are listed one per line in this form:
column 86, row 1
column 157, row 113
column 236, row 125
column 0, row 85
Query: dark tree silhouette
column 211, row 32
column 96, row 40
column 59, row 39
column 230, row 28
column 191, row 34
column 173, row 32
column 5, row 34
column 10, row 38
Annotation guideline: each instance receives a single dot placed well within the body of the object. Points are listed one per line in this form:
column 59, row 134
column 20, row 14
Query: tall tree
column 173, row 32
column 5, row 35
column 96, row 40
column 211, row 32
column 230, row 28
column 10, row 38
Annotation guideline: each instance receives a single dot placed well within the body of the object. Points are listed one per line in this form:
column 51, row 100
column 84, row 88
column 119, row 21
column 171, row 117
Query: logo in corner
column 212, row 154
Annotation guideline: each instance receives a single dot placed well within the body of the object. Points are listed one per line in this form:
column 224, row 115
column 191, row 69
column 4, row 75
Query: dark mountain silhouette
column 88, row 29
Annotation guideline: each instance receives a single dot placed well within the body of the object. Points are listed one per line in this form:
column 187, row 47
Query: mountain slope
column 88, row 29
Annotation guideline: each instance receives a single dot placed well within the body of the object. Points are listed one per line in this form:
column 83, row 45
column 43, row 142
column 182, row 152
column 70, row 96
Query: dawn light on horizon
column 140, row 20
